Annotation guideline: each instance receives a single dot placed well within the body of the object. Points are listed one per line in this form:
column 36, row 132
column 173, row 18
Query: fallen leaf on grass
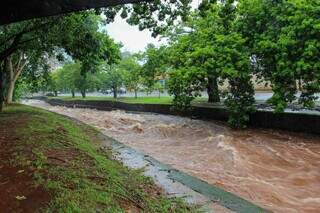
column 20, row 171
column 20, row 197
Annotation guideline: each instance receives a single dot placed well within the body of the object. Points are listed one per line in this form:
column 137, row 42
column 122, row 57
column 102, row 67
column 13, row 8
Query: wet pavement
column 167, row 178
column 276, row 170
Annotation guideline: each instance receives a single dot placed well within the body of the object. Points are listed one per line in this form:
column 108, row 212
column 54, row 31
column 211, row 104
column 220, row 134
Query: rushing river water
column 277, row 170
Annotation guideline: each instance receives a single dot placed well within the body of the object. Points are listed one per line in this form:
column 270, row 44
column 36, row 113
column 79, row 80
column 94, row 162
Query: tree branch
column 9, row 67
column 13, row 47
column 19, row 70
column 17, row 37
column 19, row 60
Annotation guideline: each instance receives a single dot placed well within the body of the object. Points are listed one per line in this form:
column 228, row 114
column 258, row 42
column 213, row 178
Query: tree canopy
column 77, row 35
column 220, row 47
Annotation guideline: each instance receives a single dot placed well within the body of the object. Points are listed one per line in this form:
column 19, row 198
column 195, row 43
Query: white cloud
column 132, row 39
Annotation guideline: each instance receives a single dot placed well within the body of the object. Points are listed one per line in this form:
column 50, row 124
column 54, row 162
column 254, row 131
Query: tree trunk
column 135, row 93
column 56, row 93
column 115, row 92
column 159, row 93
column 213, row 90
column 10, row 91
column 83, row 93
column 72, row 92
column 14, row 70
column 300, row 85
column 1, row 88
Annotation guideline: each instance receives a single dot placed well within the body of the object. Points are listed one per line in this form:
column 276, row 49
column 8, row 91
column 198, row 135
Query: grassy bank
column 143, row 100
column 67, row 171
column 132, row 100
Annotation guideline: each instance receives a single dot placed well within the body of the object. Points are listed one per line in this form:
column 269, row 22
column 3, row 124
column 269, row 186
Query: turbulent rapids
column 276, row 170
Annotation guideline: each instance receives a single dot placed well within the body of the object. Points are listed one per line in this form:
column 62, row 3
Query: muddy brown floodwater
column 276, row 170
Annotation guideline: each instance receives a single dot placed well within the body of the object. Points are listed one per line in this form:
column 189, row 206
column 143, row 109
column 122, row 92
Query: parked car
column 122, row 90
column 107, row 91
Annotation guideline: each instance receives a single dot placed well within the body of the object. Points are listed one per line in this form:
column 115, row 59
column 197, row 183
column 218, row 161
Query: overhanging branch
column 18, row 10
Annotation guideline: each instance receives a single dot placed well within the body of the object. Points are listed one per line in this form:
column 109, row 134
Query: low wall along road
column 291, row 121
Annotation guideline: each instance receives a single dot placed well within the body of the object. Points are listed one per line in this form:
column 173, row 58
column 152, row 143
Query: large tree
column 76, row 34
column 212, row 50
column 155, row 65
column 283, row 37
column 113, row 77
column 13, row 39
column 133, row 78
column 65, row 78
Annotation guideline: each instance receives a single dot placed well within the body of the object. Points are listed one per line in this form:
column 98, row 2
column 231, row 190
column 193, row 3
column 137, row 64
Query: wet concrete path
column 276, row 170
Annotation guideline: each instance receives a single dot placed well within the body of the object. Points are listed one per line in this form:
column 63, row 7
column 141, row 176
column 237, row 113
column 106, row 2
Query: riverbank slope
column 51, row 163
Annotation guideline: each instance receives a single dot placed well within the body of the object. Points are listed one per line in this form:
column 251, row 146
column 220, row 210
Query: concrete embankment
column 291, row 121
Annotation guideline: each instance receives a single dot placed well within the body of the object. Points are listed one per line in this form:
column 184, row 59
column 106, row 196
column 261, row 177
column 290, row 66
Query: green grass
column 139, row 100
column 65, row 160
column 143, row 100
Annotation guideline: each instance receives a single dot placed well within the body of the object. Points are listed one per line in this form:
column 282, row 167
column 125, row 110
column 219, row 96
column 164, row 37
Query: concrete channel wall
column 291, row 121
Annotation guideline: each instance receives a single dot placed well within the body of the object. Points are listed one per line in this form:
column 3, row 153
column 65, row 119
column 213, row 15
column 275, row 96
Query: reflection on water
column 276, row 170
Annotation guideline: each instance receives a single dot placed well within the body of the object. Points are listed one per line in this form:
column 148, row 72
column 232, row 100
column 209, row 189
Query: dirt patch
column 18, row 192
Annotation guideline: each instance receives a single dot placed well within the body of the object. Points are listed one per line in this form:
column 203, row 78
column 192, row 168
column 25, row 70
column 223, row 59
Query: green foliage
column 212, row 49
column 157, row 15
column 240, row 101
column 67, row 76
column 113, row 77
column 232, row 56
column 21, row 90
column 275, row 40
column 159, row 87
column 220, row 42
column 77, row 35
column 70, row 79
column 194, row 50
column 131, row 70
column 154, row 65
column 284, row 40
column 185, row 85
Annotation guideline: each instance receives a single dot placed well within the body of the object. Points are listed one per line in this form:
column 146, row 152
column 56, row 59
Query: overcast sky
column 132, row 39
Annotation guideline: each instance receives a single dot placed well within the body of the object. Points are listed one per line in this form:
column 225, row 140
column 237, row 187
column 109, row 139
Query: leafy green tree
column 67, row 77
column 155, row 61
column 77, row 34
column 33, row 80
column 87, row 82
column 159, row 87
column 131, row 70
column 185, row 81
column 113, row 78
column 27, row 61
column 196, row 44
column 14, row 40
column 185, row 84
column 211, row 50
column 283, row 37
column 14, row 70
column 233, row 57
column 198, row 51
column 70, row 79
column 53, row 84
